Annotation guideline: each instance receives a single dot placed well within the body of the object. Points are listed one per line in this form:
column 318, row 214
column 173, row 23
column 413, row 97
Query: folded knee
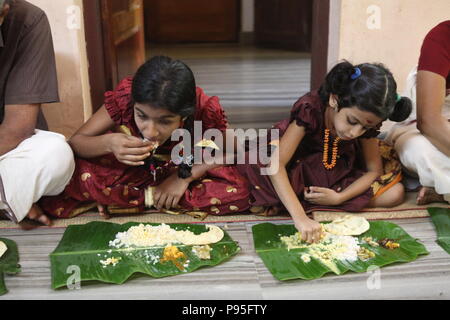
column 397, row 195
column 57, row 158
column 390, row 198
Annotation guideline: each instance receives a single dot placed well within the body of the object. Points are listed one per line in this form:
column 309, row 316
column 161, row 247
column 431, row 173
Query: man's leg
column 419, row 156
column 40, row 166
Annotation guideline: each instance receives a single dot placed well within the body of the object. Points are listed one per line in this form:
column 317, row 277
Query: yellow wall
column 66, row 21
column 403, row 25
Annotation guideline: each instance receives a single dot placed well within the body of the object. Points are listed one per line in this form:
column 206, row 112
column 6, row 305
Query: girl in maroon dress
column 328, row 155
column 125, row 148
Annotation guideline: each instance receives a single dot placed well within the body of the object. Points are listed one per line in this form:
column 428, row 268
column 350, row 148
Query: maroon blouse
column 306, row 168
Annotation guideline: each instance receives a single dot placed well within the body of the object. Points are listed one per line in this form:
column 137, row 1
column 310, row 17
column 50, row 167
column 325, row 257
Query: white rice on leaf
column 163, row 235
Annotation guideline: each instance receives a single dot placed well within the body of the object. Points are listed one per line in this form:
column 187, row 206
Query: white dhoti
column 41, row 165
column 417, row 154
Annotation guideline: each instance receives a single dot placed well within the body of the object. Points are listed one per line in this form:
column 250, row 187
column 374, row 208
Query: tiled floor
column 256, row 86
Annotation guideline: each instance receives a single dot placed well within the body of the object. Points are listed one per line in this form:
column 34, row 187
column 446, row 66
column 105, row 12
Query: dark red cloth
column 305, row 168
column 107, row 181
column 435, row 52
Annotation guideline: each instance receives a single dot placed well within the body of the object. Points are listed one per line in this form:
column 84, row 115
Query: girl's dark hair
column 163, row 82
column 374, row 90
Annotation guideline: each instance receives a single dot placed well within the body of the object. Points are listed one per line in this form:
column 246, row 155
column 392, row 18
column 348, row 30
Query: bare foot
column 103, row 211
column 270, row 211
column 35, row 215
column 428, row 195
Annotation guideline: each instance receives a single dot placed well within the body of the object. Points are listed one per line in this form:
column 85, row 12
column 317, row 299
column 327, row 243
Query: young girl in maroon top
column 113, row 169
column 328, row 155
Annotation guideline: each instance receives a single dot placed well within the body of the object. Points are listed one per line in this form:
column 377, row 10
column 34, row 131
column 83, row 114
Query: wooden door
column 123, row 37
column 176, row 21
column 284, row 24
column 320, row 43
column 95, row 52
column 115, row 43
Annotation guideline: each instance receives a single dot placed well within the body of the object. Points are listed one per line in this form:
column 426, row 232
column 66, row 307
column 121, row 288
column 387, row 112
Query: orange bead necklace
column 334, row 154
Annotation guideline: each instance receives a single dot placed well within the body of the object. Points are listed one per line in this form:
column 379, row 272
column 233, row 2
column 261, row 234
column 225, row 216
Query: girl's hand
column 322, row 196
column 130, row 150
column 311, row 230
column 168, row 194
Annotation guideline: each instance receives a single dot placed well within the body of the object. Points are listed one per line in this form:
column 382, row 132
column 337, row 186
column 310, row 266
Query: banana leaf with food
column 441, row 220
column 287, row 264
column 88, row 248
column 9, row 261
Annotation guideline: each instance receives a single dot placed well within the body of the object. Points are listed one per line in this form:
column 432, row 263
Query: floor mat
column 404, row 211
column 407, row 210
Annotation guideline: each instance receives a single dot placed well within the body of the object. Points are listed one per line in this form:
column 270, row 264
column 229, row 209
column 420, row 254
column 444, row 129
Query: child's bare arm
column 374, row 170
column 310, row 229
column 92, row 141
column 287, row 146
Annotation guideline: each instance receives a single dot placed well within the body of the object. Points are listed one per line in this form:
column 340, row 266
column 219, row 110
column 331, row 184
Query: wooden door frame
column 110, row 57
column 99, row 80
column 101, row 53
column 319, row 45
column 325, row 39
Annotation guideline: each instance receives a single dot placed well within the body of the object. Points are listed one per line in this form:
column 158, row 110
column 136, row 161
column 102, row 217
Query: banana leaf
column 287, row 265
column 9, row 263
column 83, row 246
column 441, row 220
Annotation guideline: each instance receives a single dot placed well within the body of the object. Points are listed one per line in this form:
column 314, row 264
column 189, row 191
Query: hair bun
column 402, row 110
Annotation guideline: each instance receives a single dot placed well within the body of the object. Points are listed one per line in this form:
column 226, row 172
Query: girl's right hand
column 311, row 230
column 130, row 150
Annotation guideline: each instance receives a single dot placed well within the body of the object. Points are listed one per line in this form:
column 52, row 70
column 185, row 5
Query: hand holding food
column 310, row 230
column 131, row 150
